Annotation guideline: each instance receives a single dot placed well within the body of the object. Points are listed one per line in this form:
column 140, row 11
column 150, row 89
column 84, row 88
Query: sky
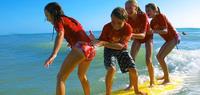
column 27, row 16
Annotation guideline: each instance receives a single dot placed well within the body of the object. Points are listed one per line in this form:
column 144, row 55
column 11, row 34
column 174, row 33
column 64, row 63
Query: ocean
column 22, row 72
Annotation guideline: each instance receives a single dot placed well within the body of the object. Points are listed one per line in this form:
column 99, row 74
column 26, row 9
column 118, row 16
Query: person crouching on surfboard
column 81, row 54
column 161, row 25
column 141, row 34
column 114, row 38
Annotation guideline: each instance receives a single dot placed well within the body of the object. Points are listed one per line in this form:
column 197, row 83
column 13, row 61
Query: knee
column 81, row 76
column 60, row 77
column 159, row 57
column 148, row 61
column 132, row 70
column 112, row 69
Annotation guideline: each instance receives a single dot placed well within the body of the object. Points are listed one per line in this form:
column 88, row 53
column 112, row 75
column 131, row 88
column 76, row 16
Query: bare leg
column 149, row 49
column 109, row 80
column 164, row 51
column 74, row 57
column 82, row 70
column 134, row 79
column 134, row 51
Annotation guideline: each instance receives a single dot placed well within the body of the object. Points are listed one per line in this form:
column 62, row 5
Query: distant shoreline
column 4, row 34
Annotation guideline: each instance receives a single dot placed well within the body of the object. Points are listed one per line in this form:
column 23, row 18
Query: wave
column 186, row 61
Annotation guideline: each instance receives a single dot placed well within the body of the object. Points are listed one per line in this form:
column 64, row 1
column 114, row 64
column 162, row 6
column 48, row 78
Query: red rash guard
column 73, row 31
column 141, row 25
column 160, row 22
column 122, row 35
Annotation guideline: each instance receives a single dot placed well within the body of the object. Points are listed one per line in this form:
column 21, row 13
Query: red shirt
column 122, row 35
column 160, row 22
column 140, row 25
column 73, row 31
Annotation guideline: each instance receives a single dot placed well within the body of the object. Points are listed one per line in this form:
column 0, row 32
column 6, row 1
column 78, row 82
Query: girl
column 141, row 34
column 161, row 25
column 81, row 53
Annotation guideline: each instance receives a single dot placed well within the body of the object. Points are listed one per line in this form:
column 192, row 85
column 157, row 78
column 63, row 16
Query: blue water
column 22, row 73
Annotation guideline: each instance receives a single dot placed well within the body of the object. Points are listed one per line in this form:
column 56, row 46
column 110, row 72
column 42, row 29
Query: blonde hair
column 133, row 2
column 136, row 4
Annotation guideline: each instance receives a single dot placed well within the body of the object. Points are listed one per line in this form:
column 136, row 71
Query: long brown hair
column 153, row 6
column 55, row 10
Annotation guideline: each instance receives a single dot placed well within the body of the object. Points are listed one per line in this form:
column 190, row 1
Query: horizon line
column 35, row 33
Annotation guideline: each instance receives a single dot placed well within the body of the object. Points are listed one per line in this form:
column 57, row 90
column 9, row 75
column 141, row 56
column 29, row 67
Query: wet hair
column 120, row 13
column 55, row 10
column 153, row 6
column 135, row 2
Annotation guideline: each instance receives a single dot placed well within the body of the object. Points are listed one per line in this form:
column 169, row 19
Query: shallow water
column 22, row 72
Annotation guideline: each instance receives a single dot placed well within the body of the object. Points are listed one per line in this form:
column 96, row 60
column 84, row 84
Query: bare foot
column 140, row 93
column 160, row 78
column 165, row 82
column 128, row 88
column 151, row 85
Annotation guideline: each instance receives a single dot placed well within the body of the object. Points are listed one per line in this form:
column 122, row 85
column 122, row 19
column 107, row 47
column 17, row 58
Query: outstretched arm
column 163, row 31
column 57, row 46
column 117, row 46
column 138, row 36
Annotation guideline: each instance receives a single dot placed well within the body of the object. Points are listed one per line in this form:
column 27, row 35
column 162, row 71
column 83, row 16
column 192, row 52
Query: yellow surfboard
column 157, row 89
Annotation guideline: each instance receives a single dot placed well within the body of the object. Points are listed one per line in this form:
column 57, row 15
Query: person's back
column 73, row 31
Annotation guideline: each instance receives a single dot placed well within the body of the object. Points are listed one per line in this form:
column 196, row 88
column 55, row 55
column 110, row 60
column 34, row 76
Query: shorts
column 87, row 49
column 122, row 57
column 147, row 38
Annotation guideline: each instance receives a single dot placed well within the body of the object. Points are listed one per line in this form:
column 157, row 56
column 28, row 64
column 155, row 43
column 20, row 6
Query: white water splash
column 187, row 64
column 186, row 61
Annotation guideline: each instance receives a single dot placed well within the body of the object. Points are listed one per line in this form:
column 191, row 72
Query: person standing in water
column 161, row 25
column 141, row 34
column 114, row 38
column 81, row 54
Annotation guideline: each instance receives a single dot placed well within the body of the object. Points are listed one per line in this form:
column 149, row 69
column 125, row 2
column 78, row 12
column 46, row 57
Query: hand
column 101, row 43
column 91, row 36
column 49, row 61
column 133, row 36
column 94, row 42
column 150, row 31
